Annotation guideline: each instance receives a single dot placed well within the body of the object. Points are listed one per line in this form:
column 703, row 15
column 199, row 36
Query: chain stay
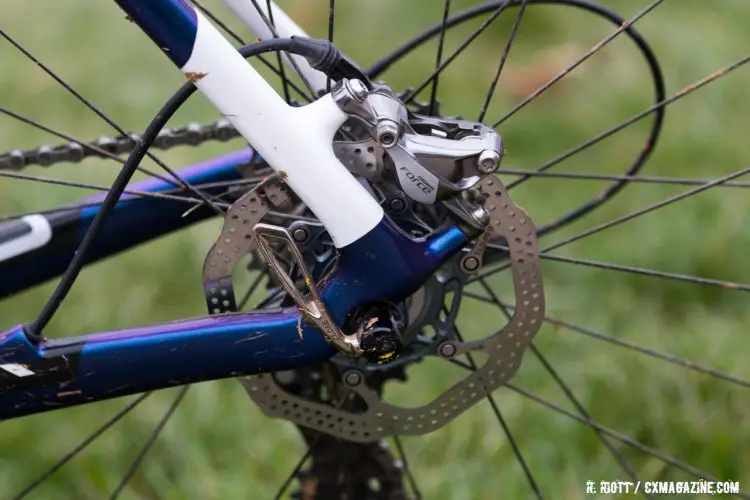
column 504, row 349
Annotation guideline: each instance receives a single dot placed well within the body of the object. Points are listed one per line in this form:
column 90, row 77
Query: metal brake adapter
column 312, row 309
column 242, row 233
column 504, row 349
column 430, row 158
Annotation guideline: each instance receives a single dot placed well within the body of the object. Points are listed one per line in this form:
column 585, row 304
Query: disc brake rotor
column 504, row 349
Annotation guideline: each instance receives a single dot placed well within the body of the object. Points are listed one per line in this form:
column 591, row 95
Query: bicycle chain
column 193, row 134
column 504, row 350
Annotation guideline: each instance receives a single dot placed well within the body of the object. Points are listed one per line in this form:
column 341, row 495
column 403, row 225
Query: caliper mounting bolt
column 358, row 89
column 488, row 161
column 387, row 133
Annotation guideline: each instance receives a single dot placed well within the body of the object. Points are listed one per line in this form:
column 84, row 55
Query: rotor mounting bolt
column 285, row 377
column 358, row 89
column 387, row 133
column 300, row 234
column 447, row 350
column 481, row 215
column 488, row 161
column 470, row 263
column 353, row 378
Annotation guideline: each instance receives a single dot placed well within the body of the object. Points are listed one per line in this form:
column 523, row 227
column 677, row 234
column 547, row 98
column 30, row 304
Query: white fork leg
column 297, row 141
column 285, row 27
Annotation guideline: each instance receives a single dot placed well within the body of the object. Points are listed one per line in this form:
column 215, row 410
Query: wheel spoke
column 689, row 89
column 272, row 26
column 643, row 179
column 730, row 285
column 297, row 468
column 84, row 145
column 251, row 289
column 406, row 468
column 308, row 453
column 669, row 358
column 439, row 55
column 622, row 462
column 460, row 363
column 331, row 19
column 646, row 210
column 632, row 346
column 215, row 19
column 496, row 410
column 18, row 215
column 503, row 58
column 563, row 386
column 619, row 436
column 516, row 450
column 278, row 72
column 142, row 194
column 648, row 272
column 436, row 73
column 103, row 116
column 624, row 218
column 268, row 21
column 149, row 443
column 596, row 48
column 83, row 445
column 84, row 185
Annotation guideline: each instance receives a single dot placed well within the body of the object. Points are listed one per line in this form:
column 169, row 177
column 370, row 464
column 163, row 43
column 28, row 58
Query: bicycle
column 394, row 221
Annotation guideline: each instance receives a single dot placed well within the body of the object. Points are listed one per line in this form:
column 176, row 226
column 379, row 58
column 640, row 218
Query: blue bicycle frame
column 384, row 264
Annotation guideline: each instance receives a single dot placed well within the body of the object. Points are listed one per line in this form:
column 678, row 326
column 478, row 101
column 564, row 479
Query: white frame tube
column 296, row 142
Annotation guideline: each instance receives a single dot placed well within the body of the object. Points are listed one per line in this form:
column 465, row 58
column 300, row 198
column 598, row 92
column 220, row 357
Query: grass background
column 218, row 445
